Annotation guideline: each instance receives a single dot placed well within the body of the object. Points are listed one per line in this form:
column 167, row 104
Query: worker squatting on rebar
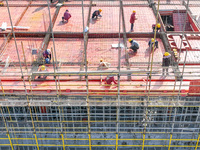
column 47, row 56
column 134, row 45
column 103, row 65
column 66, row 16
column 154, row 26
column 96, row 14
column 109, row 79
column 166, row 63
column 42, row 69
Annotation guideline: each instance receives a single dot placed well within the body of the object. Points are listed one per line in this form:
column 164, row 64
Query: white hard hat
column 48, row 50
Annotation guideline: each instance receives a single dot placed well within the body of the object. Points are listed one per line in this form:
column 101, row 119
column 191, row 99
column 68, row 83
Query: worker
column 166, row 63
column 103, row 65
column 110, row 79
column 42, row 69
column 66, row 16
column 151, row 42
column 132, row 19
column 154, row 26
column 47, row 56
column 96, row 14
column 134, row 45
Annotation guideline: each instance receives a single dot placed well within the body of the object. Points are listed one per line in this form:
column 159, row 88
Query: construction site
column 69, row 105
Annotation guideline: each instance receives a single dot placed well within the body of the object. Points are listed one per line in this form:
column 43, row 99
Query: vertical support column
column 90, row 143
column 143, row 142
column 10, row 141
column 116, row 141
column 170, row 140
column 63, row 141
column 36, row 140
column 197, row 142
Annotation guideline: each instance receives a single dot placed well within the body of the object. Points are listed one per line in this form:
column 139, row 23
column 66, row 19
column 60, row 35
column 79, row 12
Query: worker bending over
column 96, row 14
column 134, row 45
column 132, row 19
column 103, row 65
column 151, row 42
column 110, row 79
column 66, row 16
column 154, row 26
column 42, row 69
column 166, row 63
column 47, row 56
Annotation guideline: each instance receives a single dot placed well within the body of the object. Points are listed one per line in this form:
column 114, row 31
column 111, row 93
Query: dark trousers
column 132, row 26
column 158, row 29
column 165, row 70
column 94, row 16
column 156, row 44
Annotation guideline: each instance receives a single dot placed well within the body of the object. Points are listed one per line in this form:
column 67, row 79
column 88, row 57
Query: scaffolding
column 73, row 109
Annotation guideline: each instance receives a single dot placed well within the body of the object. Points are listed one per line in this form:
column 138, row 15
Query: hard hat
column 167, row 54
column 152, row 40
column 134, row 11
column 101, row 60
column 49, row 51
column 158, row 25
column 100, row 10
column 174, row 50
column 47, row 60
column 130, row 40
column 43, row 67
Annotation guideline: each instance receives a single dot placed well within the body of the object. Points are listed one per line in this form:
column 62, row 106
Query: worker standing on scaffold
column 151, row 42
column 96, row 14
column 42, row 69
column 166, row 63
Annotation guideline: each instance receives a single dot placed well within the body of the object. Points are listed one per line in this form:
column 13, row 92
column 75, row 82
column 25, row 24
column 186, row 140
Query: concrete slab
column 37, row 18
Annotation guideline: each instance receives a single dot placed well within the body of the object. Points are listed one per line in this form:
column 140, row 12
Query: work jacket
column 133, row 18
column 67, row 15
column 166, row 61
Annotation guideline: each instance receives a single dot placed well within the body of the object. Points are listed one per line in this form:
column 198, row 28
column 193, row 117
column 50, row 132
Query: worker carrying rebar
column 166, row 63
column 151, row 42
column 103, row 65
column 132, row 19
column 66, row 16
column 109, row 79
column 47, row 56
column 42, row 69
column 96, row 14
column 134, row 45
column 154, row 26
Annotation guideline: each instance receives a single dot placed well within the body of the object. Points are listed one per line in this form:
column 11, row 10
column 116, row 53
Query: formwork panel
column 108, row 23
column 37, row 18
column 28, row 44
column 194, row 44
column 145, row 19
column 75, row 23
column 192, row 57
column 15, row 12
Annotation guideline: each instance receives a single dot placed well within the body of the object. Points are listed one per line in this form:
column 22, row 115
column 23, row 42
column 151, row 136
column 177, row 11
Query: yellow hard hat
column 134, row 11
column 43, row 67
column 167, row 54
column 130, row 40
column 152, row 40
column 175, row 50
column 158, row 25
column 101, row 60
column 100, row 10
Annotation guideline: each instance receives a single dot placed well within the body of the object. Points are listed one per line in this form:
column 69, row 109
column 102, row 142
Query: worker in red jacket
column 110, row 79
column 132, row 19
column 66, row 16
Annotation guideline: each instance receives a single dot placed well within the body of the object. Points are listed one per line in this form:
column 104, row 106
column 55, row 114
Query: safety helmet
column 152, row 40
column 100, row 10
column 43, row 67
column 158, row 25
column 49, row 51
column 134, row 11
column 130, row 40
column 167, row 54
column 101, row 60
